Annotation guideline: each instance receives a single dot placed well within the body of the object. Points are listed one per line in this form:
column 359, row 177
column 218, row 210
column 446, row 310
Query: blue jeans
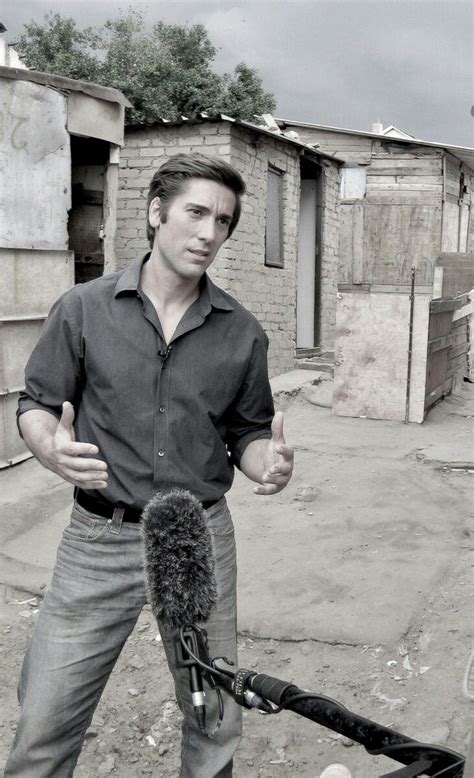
column 95, row 597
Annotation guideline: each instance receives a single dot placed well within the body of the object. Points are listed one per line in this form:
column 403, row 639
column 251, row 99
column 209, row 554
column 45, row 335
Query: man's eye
column 195, row 211
column 224, row 221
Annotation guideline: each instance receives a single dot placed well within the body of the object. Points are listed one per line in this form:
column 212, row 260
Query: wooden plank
column 398, row 186
column 440, row 324
column 464, row 215
column 447, row 258
column 358, row 244
column 410, row 166
column 371, row 355
column 453, row 166
column 439, row 343
column 466, row 310
column 457, row 351
column 356, row 288
column 403, row 197
column 450, row 227
column 405, row 151
column 371, row 338
column 443, row 306
column 399, row 238
column 402, row 178
column 401, row 288
column 437, row 370
column 436, row 394
column 345, row 242
column 452, row 189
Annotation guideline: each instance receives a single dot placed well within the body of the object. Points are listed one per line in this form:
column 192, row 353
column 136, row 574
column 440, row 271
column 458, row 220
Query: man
column 143, row 380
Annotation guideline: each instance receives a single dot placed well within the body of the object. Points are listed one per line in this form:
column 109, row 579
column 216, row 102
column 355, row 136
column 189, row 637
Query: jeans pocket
column 85, row 527
column 218, row 520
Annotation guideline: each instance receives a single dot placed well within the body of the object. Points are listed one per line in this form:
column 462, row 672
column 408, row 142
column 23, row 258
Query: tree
column 245, row 96
column 59, row 47
column 165, row 73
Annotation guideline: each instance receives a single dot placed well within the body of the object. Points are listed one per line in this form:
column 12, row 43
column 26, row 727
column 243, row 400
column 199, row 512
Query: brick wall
column 268, row 292
column 329, row 256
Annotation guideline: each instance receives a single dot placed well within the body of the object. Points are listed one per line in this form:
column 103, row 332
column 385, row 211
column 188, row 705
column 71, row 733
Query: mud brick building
column 281, row 261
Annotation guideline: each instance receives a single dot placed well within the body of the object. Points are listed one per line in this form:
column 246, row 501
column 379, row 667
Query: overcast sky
column 343, row 63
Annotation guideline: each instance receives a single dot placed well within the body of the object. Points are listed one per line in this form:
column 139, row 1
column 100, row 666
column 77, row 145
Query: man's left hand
column 277, row 460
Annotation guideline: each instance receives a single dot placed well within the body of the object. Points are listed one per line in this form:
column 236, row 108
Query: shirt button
column 161, row 409
column 161, row 453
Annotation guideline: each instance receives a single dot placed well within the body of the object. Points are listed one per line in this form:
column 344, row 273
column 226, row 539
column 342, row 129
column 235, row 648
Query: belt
column 106, row 509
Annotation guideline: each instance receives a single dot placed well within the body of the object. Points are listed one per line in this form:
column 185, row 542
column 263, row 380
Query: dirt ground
column 408, row 677
column 136, row 729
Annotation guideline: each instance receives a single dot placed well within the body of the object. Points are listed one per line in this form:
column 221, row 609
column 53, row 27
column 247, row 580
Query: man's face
column 195, row 227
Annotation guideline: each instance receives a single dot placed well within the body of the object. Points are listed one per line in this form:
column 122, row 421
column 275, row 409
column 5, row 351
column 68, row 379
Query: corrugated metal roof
column 66, row 84
column 203, row 117
column 463, row 153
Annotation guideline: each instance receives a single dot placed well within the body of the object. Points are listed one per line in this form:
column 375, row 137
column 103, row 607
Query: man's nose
column 207, row 229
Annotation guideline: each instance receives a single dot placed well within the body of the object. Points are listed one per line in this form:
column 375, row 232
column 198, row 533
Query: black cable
column 430, row 748
column 308, row 696
column 220, row 719
column 218, row 692
column 311, row 696
column 208, row 668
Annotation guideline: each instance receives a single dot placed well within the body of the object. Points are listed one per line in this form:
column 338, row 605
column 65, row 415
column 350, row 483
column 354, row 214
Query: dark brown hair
column 169, row 179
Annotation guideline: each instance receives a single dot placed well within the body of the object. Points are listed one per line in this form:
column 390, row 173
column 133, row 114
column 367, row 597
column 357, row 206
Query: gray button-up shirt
column 161, row 416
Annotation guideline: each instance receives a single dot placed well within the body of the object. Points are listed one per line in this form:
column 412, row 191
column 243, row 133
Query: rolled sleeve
column 253, row 409
column 53, row 372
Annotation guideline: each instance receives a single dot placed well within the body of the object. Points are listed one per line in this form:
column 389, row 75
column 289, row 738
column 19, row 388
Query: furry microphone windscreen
column 179, row 562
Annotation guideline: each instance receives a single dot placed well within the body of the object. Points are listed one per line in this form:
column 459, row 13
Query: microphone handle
column 196, row 687
column 374, row 737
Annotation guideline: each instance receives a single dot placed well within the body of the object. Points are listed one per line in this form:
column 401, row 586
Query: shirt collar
column 216, row 297
column 129, row 281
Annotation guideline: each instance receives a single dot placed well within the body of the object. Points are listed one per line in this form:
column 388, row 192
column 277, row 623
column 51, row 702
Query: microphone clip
column 195, row 640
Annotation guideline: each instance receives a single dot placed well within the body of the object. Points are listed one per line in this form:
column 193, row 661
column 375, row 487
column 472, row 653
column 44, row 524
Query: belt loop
column 117, row 519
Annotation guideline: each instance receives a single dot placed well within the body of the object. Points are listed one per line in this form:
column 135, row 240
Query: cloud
column 339, row 62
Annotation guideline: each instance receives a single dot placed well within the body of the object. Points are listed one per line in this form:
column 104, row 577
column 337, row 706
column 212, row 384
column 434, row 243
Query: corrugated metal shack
column 59, row 151
column 405, row 231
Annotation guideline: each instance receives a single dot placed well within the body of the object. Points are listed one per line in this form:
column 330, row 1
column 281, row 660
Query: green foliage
column 165, row 72
column 245, row 96
column 59, row 47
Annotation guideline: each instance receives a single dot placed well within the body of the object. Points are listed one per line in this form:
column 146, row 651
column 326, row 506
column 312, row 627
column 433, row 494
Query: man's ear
column 154, row 212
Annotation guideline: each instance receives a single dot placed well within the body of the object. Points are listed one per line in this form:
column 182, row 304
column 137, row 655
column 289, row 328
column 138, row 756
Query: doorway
column 308, row 290
column 89, row 160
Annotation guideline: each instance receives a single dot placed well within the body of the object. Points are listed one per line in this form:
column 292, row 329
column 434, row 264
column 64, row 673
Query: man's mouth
column 199, row 253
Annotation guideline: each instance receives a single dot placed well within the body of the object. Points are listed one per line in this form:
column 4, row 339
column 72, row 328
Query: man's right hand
column 74, row 461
